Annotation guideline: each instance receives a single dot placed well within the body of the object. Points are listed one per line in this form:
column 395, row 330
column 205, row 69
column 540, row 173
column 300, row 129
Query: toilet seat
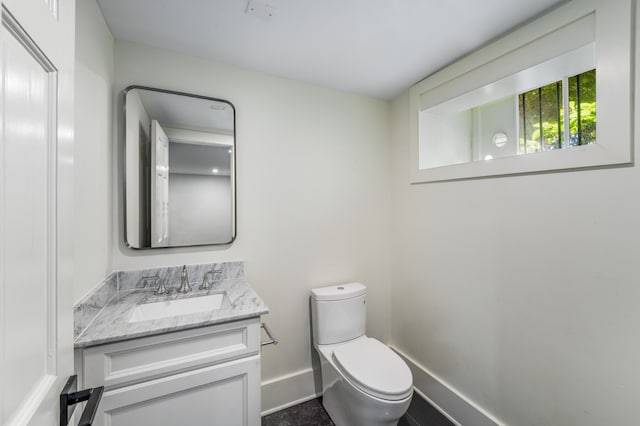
column 374, row 368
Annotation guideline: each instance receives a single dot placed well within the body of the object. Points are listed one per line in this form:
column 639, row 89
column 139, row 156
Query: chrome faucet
column 184, row 281
column 161, row 288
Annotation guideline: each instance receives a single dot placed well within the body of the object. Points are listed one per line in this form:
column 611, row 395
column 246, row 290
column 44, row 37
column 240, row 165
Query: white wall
column 199, row 209
column 500, row 116
column 521, row 293
column 93, row 233
column 313, row 195
column 447, row 140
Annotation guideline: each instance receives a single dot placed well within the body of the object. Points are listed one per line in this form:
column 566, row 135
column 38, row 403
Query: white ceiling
column 186, row 112
column 372, row 47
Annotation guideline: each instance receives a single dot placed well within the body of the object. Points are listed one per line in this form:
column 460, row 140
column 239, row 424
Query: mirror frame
column 123, row 159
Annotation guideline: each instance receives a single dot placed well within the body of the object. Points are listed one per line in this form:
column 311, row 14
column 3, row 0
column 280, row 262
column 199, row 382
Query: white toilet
column 364, row 383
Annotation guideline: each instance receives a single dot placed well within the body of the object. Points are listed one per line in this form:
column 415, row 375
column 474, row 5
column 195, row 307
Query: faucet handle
column 162, row 289
column 184, row 281
column 144, row 281
column 207, row 281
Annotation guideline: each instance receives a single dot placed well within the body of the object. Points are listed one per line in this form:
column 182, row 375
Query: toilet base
column 349, row 406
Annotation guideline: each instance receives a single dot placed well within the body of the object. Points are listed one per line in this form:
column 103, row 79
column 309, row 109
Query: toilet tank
column 338, row 313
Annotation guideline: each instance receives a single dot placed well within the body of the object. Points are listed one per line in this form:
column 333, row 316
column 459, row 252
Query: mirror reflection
column 179, row 169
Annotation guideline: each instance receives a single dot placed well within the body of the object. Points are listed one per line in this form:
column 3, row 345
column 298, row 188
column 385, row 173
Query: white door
column 36, row 208
column 159, row 186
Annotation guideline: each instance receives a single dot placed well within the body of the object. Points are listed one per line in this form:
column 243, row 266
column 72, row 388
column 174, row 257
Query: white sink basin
column 171, row 308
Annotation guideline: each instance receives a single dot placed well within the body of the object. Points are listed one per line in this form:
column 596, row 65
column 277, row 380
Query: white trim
column 289, row 390
column 567, row 64
column 538, row 42
column 3, row 310
column 52, row 252
column 535, row 64
column 196, row 137
column 301, row 386
column 445, row 398
column 29, row 406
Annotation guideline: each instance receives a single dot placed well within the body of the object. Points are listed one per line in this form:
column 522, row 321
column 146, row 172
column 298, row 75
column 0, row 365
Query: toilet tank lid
column 339, row 292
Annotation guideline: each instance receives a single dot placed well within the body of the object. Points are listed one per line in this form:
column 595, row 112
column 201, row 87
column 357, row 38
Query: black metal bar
column 69, row 397
column 91, row 408
column 578, row 109
column 524, row 122
column 66, row 409
column 558, row 104
column 80, row 396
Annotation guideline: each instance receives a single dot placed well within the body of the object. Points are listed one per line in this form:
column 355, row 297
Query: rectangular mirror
column 179, row 169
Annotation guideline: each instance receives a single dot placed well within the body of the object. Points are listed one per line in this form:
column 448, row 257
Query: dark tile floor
column 311, row 413
column 421, row 413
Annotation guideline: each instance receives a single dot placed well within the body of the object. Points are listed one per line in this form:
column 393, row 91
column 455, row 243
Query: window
column 543, row 123
column 528, row 120
column 518, row 104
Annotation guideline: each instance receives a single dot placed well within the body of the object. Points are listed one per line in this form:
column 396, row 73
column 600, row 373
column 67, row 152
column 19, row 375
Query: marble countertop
column 112, row 324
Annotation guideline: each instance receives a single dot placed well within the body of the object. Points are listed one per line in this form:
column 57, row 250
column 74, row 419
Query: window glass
column 582, row 108
column 542, row 120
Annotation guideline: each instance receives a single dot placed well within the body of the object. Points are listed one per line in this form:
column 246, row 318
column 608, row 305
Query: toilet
column 364, row 383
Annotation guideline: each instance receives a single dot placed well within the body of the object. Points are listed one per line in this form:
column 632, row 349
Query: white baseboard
column 301, row 386
column 451, row 403
column 289, row 390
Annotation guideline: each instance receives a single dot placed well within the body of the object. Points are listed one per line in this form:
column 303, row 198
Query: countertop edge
column 79, row 344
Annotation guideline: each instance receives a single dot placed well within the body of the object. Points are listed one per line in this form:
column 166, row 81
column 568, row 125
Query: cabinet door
column 120, row 364
column 221, row 395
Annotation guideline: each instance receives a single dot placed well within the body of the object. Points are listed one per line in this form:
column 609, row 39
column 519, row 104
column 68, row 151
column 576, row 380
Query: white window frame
column 610, row 24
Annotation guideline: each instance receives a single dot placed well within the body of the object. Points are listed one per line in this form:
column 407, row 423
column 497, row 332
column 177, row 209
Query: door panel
column 36, row 141
column 27, row 278
column 159, row 186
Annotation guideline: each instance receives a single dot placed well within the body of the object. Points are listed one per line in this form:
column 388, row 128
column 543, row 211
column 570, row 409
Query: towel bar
column 272, row 340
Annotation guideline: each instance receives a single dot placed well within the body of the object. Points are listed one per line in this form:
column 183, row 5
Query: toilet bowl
column 364, row 383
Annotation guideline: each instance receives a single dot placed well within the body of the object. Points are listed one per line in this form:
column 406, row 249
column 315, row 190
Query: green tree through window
column 542, row 121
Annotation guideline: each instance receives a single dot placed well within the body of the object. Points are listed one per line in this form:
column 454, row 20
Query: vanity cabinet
column 202, row 376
